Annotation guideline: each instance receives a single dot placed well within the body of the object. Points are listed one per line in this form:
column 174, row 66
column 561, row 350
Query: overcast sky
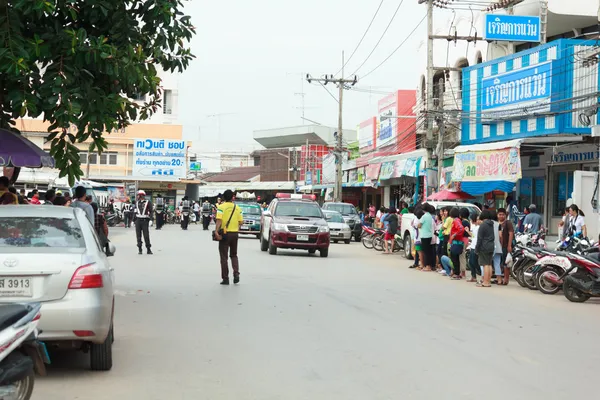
column 251, row 56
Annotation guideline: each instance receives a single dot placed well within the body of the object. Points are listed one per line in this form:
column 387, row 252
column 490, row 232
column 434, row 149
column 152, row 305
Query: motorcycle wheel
column 24, row 387
column 367, row 241
column 575, row 295
column 378, row 243
column 545, row 286
column 520, row 278
column 529, row 281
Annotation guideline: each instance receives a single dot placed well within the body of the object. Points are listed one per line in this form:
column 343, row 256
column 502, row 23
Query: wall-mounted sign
column 514, row 28
column 159, row 158
column 367, row 133
column 516, row 87
column 575, row 157
column 487, row 165
column 195, row 166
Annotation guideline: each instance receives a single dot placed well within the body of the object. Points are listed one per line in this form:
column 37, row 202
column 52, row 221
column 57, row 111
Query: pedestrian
column 380, row 212
column 206, row 214
column 35, row 199
column 101, row 227
column 464, row 219
column 229, row 220
column 6, row 197
column 456, row 242
column 160, row 212
column 506, row 241
column 447, row 227
column 473, row 259
column 533, row 221
column 426, row 232
column 49, row 197
column 403, row 208
column 565, row 224
column 22, row 197
column 485, row 247
column 447, row 266
column 196, row 212
column 372, row 213
column 498, row 268
column 126, row 210
column 186, row 208
column 79, row 202
column 390, row 233
column 578, row 227
column 144, row 211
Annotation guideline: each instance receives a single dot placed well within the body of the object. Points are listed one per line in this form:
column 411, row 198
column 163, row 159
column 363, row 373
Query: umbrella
column 450, row 195
column 16, row 151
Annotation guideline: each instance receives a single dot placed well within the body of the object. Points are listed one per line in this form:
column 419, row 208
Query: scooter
column 583, row 279
column 21, row 354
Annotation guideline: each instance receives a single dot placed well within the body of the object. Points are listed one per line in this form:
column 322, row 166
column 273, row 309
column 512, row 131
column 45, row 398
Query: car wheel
column 264, row 245
column 408, row 247
column 272, row 248
column 258, row 236
column 101, row 354
column 335, row 241
column 347, row 241
column 324, row 252
column 312, row 251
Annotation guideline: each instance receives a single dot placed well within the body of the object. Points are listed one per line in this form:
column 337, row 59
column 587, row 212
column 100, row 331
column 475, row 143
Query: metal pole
column 430, row 82
column 339, row 146
column 441, row 124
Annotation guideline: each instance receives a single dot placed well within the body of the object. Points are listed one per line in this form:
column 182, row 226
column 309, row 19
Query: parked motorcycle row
column 574, row 267
column 372, row 238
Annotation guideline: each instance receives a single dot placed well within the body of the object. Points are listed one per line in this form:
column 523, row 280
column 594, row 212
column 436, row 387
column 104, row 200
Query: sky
column 251, row 57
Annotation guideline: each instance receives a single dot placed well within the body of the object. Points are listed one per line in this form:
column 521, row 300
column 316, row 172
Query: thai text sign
column 515, row 87
column 487, row 165
column 159, row 158
column 582, row 156
column 514, row 28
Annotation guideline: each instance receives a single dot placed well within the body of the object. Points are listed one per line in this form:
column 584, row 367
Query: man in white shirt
column 196, row 211
column 79, row 202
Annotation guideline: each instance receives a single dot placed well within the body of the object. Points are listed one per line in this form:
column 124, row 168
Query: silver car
column 52, row 255
column 338, row 228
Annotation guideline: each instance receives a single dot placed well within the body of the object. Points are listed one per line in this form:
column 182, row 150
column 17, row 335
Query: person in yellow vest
column 229, row 220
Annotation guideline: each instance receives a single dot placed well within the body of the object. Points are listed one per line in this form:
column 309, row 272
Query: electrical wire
column 380, row 38
column 362, row 38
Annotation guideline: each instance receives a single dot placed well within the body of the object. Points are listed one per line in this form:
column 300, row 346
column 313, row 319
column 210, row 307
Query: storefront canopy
column 483, row 168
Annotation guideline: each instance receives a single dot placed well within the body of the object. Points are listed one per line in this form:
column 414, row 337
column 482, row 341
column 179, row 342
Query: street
column 356, row 325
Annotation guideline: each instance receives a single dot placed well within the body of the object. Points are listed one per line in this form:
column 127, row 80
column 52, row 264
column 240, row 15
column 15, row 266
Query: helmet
column 141, row 192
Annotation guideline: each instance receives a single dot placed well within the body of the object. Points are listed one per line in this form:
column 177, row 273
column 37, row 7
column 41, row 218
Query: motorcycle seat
column 11, row 314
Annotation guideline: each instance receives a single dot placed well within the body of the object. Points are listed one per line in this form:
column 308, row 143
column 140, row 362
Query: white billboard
column 159, row 158
column 388, row 124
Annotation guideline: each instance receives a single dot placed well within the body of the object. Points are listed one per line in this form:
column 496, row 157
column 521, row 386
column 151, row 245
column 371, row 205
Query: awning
column 402, row 156
column 482, row 168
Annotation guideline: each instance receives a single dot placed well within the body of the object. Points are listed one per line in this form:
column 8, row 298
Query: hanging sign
column 373, row 172
column 487, row 165
column 387, row 170
column 513, row 28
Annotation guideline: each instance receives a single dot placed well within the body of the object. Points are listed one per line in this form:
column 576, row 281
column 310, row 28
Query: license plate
column 15, row 286
column 303, row 238
column 244, row 228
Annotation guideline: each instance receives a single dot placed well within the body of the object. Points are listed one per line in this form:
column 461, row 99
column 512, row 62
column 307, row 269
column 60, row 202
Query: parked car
column 52, row 255
column 294, row 221
column 252, row 213
column 338, row 228
column 350, row 216
column 408, row 232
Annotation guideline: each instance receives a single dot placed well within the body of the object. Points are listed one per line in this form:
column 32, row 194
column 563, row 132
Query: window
column 112, row 159
column 103, row 158
column 168, row 102
column 93, row 158
column 40, row 232
column 297, row 209
column 531, row 191
column 83, row 158
column 562, row 191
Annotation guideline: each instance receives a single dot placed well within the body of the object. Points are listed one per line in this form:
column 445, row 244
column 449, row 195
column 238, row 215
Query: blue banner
column 517, row 87
column 514, row 28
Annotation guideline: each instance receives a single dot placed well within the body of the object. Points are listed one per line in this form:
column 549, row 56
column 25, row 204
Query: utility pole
column 430, row 83
column 339, row 148
column 441, row 127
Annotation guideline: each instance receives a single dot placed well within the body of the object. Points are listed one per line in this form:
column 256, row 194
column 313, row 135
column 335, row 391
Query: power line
column 362, row 38
column 380, row 38
column 396, row 49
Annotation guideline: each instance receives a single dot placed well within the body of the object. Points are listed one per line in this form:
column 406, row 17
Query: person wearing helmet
column 144, row 212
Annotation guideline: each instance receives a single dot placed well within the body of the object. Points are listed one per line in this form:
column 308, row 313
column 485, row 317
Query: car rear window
column 334, row 217
column 40, row 232
column 250, row 209
column 298, row 209
column 344, row 209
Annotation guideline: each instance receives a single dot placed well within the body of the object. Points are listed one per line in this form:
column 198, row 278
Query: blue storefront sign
column 514, row 28
column 512, row 88
column 536, row 92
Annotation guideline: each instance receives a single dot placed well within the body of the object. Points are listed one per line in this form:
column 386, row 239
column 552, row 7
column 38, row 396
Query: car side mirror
column 267, row 213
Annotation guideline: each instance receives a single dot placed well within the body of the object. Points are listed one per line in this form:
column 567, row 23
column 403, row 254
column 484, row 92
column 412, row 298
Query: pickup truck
column 408, row 232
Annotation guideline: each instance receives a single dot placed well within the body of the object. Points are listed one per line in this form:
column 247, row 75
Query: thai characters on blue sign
column 515, row 87
column 150, row 144
column 512, row 27
column 561, row 157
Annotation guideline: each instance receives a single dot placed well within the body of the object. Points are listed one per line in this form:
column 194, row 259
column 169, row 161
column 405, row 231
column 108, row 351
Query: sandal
column 471, row 280
column 479, row 284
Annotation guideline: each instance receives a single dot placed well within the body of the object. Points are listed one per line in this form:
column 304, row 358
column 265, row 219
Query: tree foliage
column 82, row 62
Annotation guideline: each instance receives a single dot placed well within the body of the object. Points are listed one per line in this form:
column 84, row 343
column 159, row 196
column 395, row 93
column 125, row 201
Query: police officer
column 206, row 214
column 160, row 212
column 126, row 210
column 144, row 211
column 185, row 213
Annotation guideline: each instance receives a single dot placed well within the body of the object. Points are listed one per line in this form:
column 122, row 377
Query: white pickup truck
column 408, row 232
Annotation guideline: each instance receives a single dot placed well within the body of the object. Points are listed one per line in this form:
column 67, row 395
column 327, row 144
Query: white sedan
column 52, row 255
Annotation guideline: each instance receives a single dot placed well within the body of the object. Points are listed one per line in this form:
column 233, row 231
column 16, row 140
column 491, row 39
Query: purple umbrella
column 17, row 151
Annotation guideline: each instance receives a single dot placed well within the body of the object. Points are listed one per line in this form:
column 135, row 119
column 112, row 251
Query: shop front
column 172, row 192
column 402, row 177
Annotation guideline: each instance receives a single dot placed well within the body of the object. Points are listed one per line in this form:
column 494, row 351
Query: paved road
column 357, row 325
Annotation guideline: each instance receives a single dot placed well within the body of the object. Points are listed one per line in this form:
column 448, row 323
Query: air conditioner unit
column 596, row 131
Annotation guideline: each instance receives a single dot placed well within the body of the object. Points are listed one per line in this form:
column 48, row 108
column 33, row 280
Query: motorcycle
column 21, row 354
column 583, row 279
column 114, row 219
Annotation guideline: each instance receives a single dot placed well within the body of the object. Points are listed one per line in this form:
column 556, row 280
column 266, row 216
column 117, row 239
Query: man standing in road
column 507, row 234
column 160, row 212
column 144, row 211
column 126, row 210
column 229, row 220
column 185, row 213
column 79, row 202
column 196, row 212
